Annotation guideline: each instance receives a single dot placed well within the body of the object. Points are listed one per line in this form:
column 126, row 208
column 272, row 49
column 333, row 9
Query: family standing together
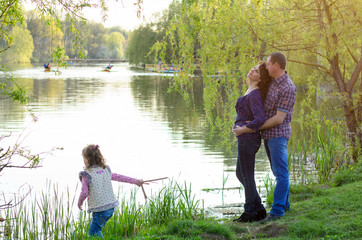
column 264, row 112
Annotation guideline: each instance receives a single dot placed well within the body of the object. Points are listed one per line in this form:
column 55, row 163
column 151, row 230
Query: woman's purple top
column 250, row 112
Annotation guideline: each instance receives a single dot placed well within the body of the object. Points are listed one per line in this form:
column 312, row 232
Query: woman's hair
column 94, row 156
column 265, row 80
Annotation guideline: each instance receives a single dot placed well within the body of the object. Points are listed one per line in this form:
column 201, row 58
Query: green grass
column 333, row 214
column 317, row 212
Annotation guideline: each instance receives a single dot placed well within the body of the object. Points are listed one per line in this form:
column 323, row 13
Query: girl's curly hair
column 265, row 80
column 94, row 156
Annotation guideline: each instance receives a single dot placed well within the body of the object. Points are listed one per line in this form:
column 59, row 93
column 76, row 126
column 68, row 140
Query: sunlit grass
column 51, row 214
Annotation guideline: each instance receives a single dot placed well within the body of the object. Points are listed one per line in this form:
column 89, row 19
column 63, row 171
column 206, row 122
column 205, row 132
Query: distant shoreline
column 77, row 60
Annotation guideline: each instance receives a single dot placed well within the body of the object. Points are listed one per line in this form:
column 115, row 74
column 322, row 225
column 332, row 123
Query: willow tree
column 324, row 34
column 22, row 47
column 227, row 37
column 115, row 42
column 212, row 38
column 144, row 37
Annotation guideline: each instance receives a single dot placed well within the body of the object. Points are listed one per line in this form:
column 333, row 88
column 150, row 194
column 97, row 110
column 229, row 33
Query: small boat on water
column 108, row 68
column 46, row 67
column 162, row 68
column 169, row 70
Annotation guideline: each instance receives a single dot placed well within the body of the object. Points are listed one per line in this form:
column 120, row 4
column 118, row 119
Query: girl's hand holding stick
column 147, row 182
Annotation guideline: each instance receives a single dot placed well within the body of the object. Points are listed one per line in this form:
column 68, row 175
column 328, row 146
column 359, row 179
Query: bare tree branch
column 313, row 65
column 355, row 74
column 9, row 203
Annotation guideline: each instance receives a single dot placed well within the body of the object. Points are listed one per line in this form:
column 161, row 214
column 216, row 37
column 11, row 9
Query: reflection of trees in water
column 188, row 119
column 56, row 93
column 152, row 95
column 9, row 109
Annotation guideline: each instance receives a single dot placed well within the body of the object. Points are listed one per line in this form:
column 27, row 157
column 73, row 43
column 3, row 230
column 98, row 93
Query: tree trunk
column 349, row 111
column 351, row 120
column 359, row 114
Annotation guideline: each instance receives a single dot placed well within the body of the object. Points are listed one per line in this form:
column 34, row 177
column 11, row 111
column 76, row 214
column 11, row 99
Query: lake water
column 142, row 130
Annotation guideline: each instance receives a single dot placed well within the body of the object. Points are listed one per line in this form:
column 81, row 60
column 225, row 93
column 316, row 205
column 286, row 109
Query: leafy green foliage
column 213, row 37
column 140, row 45
column 348, row 174
column 115, row 43
column 10, row 89
column 141, row 40
column 21, row 49
column 59, row 58
column 51, row 28
column 10, row 15
column 226, row 38
column 46, row 37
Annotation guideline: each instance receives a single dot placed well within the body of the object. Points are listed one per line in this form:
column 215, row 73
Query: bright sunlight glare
column 122, row 13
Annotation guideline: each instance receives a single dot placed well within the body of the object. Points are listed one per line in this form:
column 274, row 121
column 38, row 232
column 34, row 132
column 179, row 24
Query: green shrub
column 348, row 174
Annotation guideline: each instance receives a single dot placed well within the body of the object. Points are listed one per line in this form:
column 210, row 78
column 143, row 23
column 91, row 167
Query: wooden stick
column 157, row 179
column 151, row 180
column 144, row 193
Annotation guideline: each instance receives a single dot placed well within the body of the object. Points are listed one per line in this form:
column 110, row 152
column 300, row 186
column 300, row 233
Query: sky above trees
column 123, row 12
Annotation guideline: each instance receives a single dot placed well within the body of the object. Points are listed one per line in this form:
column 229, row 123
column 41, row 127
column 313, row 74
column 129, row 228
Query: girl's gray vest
column 101, row 196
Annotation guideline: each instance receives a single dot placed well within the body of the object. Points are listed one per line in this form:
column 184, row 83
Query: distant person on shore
column 276, row 132
column 250, row 113
column 96, row 185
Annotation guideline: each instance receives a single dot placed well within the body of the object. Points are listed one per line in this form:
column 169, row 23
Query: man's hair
column 278, row 57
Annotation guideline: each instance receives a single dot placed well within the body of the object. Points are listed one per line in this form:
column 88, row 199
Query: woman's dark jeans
column 247, row 148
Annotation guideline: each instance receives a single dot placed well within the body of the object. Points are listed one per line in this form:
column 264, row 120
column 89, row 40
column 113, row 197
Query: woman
column 250, row 114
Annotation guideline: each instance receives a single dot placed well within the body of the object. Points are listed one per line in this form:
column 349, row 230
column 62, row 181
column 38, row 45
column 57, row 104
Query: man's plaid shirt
column 281, row 97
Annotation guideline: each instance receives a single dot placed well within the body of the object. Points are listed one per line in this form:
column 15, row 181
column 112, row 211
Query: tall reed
column 300, row 161
column 321, row 146
column 329, row 151
column 269, row 185
column 172, row 202
column 50, row 215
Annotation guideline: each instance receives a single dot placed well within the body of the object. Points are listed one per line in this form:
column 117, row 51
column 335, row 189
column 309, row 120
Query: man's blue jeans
column 98, row 221
column 276, row 149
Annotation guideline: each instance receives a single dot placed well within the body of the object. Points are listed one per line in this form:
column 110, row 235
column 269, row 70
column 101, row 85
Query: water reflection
column 189, row 121
column 143, row 130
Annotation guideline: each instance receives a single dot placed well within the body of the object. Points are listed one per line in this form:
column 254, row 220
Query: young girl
column 97, row 186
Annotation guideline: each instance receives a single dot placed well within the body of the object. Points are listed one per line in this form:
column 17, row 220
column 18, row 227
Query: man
column 278, row 107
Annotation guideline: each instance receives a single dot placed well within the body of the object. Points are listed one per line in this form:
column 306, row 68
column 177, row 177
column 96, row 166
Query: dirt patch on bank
column 210, row 236
column 270, row 230
column 273, row 229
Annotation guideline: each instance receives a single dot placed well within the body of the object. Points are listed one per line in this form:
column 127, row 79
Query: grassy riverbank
column 328, row 211
column 318, row 212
